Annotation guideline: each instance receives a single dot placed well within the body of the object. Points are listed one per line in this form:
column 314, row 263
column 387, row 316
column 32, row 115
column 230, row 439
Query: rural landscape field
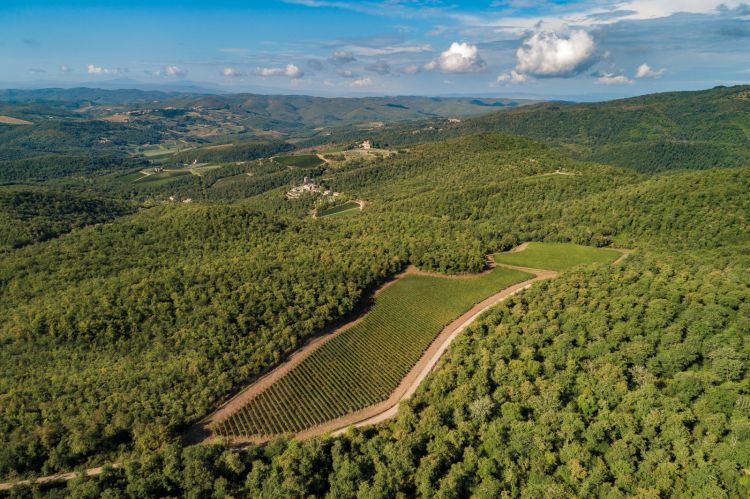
column 375, row 249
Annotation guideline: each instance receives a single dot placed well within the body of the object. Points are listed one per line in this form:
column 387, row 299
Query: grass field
column 161, row 150
column 162, row 177
column 130, row 177
column 299, row 160
column 8, row 120
column 364, row 364
column 347, row 208
column 557, row 256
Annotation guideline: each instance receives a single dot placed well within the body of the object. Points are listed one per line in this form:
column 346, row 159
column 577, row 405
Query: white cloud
column 64, row 68
column 594, row 14
column 346, row 73
column 649, row 9
column 511, row 77
column 548, row 54
column 98, row 70
column 383, row 50
column 411, row 69
column 645, row 71
column 232, row 73
column 342, row 57
column 612, row 79
column 362, row 82
column 174, row 72
column 290, row 70
column 459, row 58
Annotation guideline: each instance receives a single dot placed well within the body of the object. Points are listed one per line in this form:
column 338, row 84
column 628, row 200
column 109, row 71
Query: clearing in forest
column 556, row 256
column 299, row 160
column 347, row 208
column 362, row 365
column 162, row 177
column 8, row 120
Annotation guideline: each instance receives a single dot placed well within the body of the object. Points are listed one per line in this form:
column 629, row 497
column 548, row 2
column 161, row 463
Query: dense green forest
column 652, row 133
column 33, row 214
column 609, row 381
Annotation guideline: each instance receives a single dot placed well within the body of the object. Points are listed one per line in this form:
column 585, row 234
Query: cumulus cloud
column 169, row 72
column 98, row 70
column 64, row 68
column 174, row 71
column 232, row 73
column 380, row 67
column 459, row 58
column 343, row 57
column 362, row 82
column 613, row 79
column 290, row 70
column 645, row 71
column 511, row 77
column 549, row 54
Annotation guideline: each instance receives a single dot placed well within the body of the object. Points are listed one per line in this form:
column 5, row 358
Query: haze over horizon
column 553, row 48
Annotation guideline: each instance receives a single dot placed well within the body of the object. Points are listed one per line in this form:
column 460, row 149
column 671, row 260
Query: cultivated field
column 556, row 256
column 299, row 160
column 362, row 365
column 162, row 177
column 8, row 120
column 343, row 209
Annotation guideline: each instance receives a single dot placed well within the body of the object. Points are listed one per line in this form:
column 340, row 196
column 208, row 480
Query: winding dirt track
column 374, row 414
column 383, row 410
column 61, row 477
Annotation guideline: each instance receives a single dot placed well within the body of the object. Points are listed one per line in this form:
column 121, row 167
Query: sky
column 549, row 48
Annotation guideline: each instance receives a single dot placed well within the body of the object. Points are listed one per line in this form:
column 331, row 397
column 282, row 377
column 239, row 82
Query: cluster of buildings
column 308, row 186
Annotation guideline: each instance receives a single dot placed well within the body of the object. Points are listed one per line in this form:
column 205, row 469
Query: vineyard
column 557, row 256
column 347, row 207
column 364, row 364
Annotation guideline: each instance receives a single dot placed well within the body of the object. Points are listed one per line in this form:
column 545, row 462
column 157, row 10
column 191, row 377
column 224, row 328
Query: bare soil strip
column 410, row 382
column 374, row 414
column 203, row 431
column 8, row 120
column 61, row 477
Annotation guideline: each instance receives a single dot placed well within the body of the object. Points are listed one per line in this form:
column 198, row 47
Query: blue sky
column 338, row 47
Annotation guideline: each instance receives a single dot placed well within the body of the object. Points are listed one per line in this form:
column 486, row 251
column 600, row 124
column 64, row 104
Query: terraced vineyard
column 364, row 364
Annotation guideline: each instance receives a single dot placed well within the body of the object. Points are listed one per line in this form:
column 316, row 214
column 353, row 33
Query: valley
column 165, row 305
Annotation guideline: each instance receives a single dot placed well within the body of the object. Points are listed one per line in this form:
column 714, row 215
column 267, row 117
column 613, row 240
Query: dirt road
column 61, row 477
column 408, row 385
column 370, row 415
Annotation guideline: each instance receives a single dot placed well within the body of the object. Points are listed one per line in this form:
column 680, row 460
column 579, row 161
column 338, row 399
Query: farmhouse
column 366, row 145
column 308, row 186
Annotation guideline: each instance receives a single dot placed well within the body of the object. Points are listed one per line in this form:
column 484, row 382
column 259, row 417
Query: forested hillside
column 651, row 133
column 30, row 215
column 608, row 381
column 619, row 381
column 228, row 290
column 657, row 132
